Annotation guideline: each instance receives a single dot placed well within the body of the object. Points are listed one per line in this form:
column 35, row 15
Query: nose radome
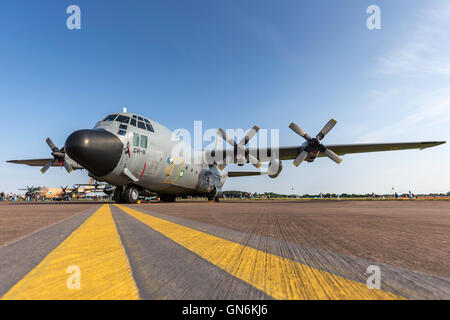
column 98, row 151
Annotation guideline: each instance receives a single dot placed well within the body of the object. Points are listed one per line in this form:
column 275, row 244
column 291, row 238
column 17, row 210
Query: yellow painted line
column 278, row 277
column 95, row 248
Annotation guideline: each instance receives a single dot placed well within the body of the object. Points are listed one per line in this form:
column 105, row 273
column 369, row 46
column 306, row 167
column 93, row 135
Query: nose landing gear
column 128, row 195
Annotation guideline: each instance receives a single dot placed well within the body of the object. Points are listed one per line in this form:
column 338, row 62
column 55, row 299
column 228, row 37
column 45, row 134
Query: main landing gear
column 213, row 195
column 167, row 197
column 128, row 195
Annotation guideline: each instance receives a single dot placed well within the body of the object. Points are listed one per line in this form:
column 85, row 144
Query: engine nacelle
column 274, row 169
column 312, row 156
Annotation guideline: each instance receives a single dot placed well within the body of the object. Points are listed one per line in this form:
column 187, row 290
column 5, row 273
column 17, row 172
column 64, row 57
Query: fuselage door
column 136, row 154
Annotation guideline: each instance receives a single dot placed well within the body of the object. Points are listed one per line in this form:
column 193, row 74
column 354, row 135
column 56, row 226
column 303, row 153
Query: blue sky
column 234, row 64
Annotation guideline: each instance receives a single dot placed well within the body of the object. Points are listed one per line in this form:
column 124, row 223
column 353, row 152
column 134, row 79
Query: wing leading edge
column 287, row 153
column 34, row 162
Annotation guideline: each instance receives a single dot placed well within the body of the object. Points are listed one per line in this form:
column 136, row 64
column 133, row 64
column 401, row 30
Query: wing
column 43, row 162
column 286, row 153
column 376, row 147
column 233, row 174
column 35, row 162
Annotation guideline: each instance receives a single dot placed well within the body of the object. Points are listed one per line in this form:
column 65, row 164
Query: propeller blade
column 47, row 165
column 67, row 166
column 250, row 134
column 300, row 158
column 330, row 124
column 299, row 131
column 333, row 156
column 254, row 161
column 51, row 144
column 224, row 136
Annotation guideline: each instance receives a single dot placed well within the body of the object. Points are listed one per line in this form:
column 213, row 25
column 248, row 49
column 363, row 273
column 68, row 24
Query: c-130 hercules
column 134, row 154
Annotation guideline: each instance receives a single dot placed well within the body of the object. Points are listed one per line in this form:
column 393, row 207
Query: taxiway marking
column 95, row 247
column 278, row 277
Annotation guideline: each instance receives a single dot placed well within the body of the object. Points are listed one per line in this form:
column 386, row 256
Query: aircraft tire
column 131, row 195
column 117, row 196
column 167, row 197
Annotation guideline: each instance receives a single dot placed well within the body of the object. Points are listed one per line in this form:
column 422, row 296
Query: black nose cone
column 98, row 151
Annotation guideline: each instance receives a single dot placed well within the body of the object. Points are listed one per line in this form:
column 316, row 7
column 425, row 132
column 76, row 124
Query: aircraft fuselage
column 126, row 149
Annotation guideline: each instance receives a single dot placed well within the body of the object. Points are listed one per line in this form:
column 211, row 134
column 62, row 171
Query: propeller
column 58, row 156
column 64, row 190
column 75, row 189
column 239, row 148
column 32, row 191
column 29, row 190
column 314, row 145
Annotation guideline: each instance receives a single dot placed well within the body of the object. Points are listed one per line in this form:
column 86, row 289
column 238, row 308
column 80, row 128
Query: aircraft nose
column 98, row 151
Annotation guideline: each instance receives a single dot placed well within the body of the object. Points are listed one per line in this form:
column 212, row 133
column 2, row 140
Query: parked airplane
column 135, row 154
column 91, row 187
column 36, row 193
column 64, row 193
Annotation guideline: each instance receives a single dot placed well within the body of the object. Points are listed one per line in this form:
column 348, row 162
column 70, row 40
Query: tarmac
column 240, row 249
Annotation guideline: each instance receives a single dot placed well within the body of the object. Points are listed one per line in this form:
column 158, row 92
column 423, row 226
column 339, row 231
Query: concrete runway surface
column 228, row 250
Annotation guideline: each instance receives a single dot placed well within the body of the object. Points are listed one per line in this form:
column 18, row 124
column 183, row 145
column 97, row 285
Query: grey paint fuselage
column 153, row 167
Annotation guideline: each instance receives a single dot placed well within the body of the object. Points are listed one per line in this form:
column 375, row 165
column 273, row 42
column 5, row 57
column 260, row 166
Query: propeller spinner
column 58, row 156
column 314, row 144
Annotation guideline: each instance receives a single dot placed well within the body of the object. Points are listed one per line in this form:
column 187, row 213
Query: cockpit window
column 135, row 140
column 143, row 141
column 111, row 117
column 123, row 126
column 133, row 122
column 122, row 118
column 141, row 125
column 140, row 118
column 149, row 127
column 146, row 120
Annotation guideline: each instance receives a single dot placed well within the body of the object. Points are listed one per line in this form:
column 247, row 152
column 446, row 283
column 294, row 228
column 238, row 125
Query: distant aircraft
column 91, row 187
column 134, row 154
column 64, row 193
column 37, row 193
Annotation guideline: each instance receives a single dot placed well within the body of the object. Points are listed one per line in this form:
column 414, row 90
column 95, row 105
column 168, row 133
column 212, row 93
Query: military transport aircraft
column 66, row 193
column 135, row 154
column 38, row 193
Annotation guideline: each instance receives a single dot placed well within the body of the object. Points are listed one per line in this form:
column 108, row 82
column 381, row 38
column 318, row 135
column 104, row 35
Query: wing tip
column 432, row 144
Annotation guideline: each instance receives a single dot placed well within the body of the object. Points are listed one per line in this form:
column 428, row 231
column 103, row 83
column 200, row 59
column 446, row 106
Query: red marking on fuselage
column 145, row 164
